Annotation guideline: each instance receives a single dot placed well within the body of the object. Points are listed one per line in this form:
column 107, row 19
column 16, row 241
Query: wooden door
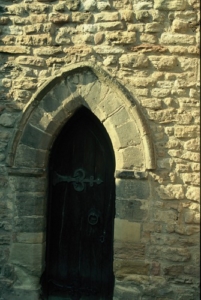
column 79, row 258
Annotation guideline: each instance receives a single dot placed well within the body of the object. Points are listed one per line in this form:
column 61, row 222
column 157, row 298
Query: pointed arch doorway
column 79, row 253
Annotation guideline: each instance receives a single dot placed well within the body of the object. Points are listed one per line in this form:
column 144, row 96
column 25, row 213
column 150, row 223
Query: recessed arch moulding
column 56, row 100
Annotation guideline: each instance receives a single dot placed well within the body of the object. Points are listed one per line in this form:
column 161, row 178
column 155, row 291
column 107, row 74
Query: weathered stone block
column 28, row 256
column 35, row 138
column 15, row 49
column 30, row 157
column 127, row 231
column 128, row 135
column 133, row 157
column 79, row 17
column 29, row 204
column 127, row 15
column 170, row 4
column 27, row 184
column 58, row 18
column 148, row 38
column 134, row 61
column 132, row 189
column 193, row 193
column 171, row 191
column 122, row 268
column 176, row 38
column 129, row 250
column 29, row 237
column 31, row 60
column 106, row 17
column 186, row 131
column 130, row 210
column 119, row 37
column 30, row 224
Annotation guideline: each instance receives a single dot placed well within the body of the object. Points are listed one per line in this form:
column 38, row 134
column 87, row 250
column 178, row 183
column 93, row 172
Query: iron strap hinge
column 78, row 180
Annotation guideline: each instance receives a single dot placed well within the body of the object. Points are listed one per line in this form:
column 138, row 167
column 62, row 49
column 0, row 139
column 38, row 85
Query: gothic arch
column 56, row 100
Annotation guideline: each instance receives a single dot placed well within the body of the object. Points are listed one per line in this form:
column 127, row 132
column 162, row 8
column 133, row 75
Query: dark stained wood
column 79, row 258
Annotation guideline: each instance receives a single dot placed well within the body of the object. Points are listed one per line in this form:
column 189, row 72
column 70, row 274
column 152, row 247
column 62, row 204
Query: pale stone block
column 171, row 191
column 127, row 231
column 170, row 4
column 28, row 256
column 176, row 38
column 193, row 193
column 30, row 237
column 106, row 17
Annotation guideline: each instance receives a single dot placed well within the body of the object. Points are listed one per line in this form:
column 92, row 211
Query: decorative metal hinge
column 78, row 180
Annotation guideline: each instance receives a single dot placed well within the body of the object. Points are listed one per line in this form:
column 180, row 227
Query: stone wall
column 144, row 57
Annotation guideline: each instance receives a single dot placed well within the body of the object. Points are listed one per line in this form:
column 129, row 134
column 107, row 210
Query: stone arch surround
column 88, row 85
column 49, row 109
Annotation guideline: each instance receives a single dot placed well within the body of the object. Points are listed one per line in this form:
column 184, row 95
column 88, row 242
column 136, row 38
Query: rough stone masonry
column 151, row 48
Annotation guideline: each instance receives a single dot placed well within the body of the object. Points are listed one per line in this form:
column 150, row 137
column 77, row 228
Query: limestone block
column 122, row 268
column 63, row 36
column 79, row 17
column 166, row 63
column 118, row 118
column 184, row 118
column 35, row 40
column 126, row 231
column 37, row 9
column 58, row 18
column 88, row 5
column 134, row 60
column 153, row 27
column 29, row 157
column 128, row 135
column 133, row 158
column 191, row 217
column 191, row 178
column 24, row 184
column 132, row 211
column 48, row 51
column 31, row 60
column 176, row 38
column 29, row 224
column 128, row 189
column 72, row 5
column 174, row 270
column 170, row 191
column 29, row 237
column 128, row 293
column 142, row 15
column 35, row 18
column 151, row 103
column 4, row 20
column 170, row 4
column 179, row 26
column 110, row 26
column 193, row 193
column 29, row 204
column 83, row 38
column 161, row 93
column 187, row 230
column 103, row 5
column 15, row 49
column 108, row 50
column 7, row 120
column 129, row 250
column 186, row 131
column 192, row 145
column 148, row 38
column 110, row 103
column 176, row 254
column 106, row 17
column 127, row 15
column 28, row 256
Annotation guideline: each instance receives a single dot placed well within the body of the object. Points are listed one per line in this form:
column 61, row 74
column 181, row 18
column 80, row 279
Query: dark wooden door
column 79, row 258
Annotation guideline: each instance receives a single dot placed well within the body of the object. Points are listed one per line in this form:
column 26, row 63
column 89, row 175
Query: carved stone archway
column 44, row 116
